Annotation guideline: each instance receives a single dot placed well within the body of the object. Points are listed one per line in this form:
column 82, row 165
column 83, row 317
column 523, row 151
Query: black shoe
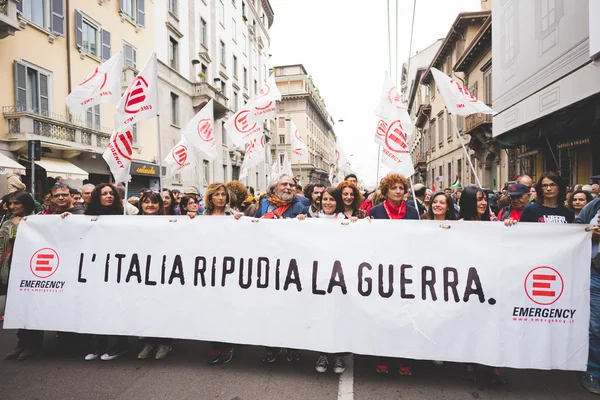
column 469, row 373
column 11, row 355
column 226, row 355
column 270, row 357
column 25, row 354
column 293, row 355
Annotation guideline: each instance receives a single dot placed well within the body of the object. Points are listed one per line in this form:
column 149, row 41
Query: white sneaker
column 92, row 356
column 162, row 352
column 113, row 353
column 339, row 365
column 322, row 364
column 145, row 353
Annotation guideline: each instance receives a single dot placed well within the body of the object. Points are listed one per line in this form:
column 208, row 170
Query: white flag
column 102, row 85
column 299, row 150
column 263, row 105
column 287, row 166
column 391, row 107
column 395, row 153
column 331, row 175
column 118, row 155
column 200, row 131
column 342, row 160
column 140, row 100
column 459, row 101
column 241, row 128
column 181, row 157
column 255, row 154
column 275, row 169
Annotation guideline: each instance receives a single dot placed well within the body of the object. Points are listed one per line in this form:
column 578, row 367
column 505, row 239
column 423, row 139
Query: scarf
column 277, row 202
column 281, row 207
column 393, row 212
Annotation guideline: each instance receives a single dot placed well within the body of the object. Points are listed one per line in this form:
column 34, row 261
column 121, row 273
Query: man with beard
column 282, row 201
column 314, row 193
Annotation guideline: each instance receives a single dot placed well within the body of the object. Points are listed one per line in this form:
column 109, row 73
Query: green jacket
column 8, row 231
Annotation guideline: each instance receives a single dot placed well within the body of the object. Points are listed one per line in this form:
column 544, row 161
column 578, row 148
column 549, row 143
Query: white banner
column 241, row 129
column 299, row 149
column 118, row 155
column 395, row 153
column 181, row 157
column 200, row 131
column 391, row 107
column 268, row 285
column 254, row 155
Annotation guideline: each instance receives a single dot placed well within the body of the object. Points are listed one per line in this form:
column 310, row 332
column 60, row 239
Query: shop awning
column 56, row 167
column 7, row 165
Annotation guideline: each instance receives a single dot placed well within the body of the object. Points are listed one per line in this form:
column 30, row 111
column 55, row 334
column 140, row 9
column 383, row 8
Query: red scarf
column 395, row 212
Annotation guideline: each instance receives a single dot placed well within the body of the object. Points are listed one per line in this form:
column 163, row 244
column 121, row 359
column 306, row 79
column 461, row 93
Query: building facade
column 211, row 50
column 302, row 103
column 546, row 86
column 57, row 45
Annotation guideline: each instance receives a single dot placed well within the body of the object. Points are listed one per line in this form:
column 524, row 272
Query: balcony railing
column 22, row 121
column 9, row 23
column 474, row 120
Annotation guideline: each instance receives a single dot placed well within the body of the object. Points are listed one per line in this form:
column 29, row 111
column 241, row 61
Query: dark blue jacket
column 378, row 212
column 303, row 200
column 293, row 211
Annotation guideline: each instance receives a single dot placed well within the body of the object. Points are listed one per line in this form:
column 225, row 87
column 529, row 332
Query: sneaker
column 95, row 354
column 383, row 367
column 213, row 356
column 270, row 357
column 497, row 377
column 226, row 355
column 469, row 373
column 25, row 354
column 113, row 353
column 162, row 352
column 404, row 369
column 339, row 365
column 590, row 384
column 322, row 363
column 11, row 355
column 146, row 350
column 293, row 355
column 437, row 362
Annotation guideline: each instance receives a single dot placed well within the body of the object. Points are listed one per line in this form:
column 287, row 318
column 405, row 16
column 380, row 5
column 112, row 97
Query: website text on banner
column 386, row 293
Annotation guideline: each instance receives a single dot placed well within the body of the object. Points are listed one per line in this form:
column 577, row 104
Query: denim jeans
column 594, row 356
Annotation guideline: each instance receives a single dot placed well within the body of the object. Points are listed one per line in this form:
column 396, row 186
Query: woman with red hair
column 352, row 199
column 393, row 187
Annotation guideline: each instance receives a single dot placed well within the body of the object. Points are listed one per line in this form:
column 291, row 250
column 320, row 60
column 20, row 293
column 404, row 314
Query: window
column 223, row 54
column 47, row 14
column 487, row 87
column 32, row 89
column 235, row 66
column 433, row 132
column 441, row 128
column 254, row 59
column 203, row 33
column 510, row 34
column 473, row 89
column 548, row 15
column 223, row 134
column 223, row 86
column 459, row 167
column 281, row 122
column 245, row 77
column 281, row 139
column 222, row 13
column 134, row 10
column 174, row 109
column 204, row 70
column 224, row 172
column 173, row 53
column 449, row 174
column 255, row 86
column 205, row 172
column 432, row 89
column 234, row 30
column 92, row 118
column 243, row 8
column 173, row 7
column 235, row 101
column 450, row 129
column 245, row 44
column 134, row 134
column 130, row 53
column 90, row 38
column 35, row 11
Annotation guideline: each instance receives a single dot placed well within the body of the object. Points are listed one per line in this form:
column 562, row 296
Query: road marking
column 346, row 385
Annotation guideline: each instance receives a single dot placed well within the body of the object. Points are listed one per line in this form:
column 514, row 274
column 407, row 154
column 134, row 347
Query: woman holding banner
column 106, row 200
column 151, row 203
column 188, row 205
column 441, row 208
column 20, row 205
column 352, row 200
column 169, row 203
column 549, row 208
column 393, row 187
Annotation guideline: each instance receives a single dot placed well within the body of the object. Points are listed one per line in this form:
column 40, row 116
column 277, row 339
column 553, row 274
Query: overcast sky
column 343, row 44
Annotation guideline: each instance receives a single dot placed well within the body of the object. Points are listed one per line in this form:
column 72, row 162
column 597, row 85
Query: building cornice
column 481, row 43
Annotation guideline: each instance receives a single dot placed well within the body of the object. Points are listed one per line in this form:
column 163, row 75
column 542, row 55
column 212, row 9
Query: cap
column 518, row 189
column 190, row 190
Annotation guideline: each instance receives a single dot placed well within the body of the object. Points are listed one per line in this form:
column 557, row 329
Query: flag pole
column 126, row 189
column 462, row 143
column 160, row 160
column 378, row 165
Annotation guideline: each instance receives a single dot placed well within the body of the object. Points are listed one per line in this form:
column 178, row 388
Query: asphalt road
column 185, row 375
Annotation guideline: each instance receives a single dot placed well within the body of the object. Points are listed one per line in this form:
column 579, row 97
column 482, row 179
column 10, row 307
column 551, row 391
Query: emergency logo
column 43, row 265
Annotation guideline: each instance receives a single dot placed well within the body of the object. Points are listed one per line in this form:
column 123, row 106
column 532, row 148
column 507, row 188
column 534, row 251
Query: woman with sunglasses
column 549, row 207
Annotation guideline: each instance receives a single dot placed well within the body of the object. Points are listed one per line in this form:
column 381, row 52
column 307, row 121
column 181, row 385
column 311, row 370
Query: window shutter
column 78, row 30
column 20, row 7
column 141, row 13
column 57, row 22
column 105, row 45
column 121, row 5
column 44, row 98
column 20, row 72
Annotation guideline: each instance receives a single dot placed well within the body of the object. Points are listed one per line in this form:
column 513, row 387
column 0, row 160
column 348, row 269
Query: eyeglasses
column 549, row 186
column 57, row 195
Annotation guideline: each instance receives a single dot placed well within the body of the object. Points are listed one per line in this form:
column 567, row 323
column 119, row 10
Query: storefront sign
column 145, row 169
column 573, row 143
column 529, row 153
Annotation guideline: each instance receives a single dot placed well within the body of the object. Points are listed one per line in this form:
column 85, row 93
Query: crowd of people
column 549, row 200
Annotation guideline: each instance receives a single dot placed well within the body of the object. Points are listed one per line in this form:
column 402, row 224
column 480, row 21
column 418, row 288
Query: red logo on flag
column 544, row 285
column 180, row 154
column 93, row 75
column 264, row 91
column 297, row 134
column 382, row 128
column 241, row 122
column 136, row 95
column 395, row 139
column 338, row 155
column 123, row 142
column 265, row 107
column 44, row 263
column 205, row 130
column 464, row 92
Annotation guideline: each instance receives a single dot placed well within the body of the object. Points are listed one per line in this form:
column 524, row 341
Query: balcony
column 53, row 129
column 9, row 24
column 420, row 163
column 203, row 92
column 474, row 121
